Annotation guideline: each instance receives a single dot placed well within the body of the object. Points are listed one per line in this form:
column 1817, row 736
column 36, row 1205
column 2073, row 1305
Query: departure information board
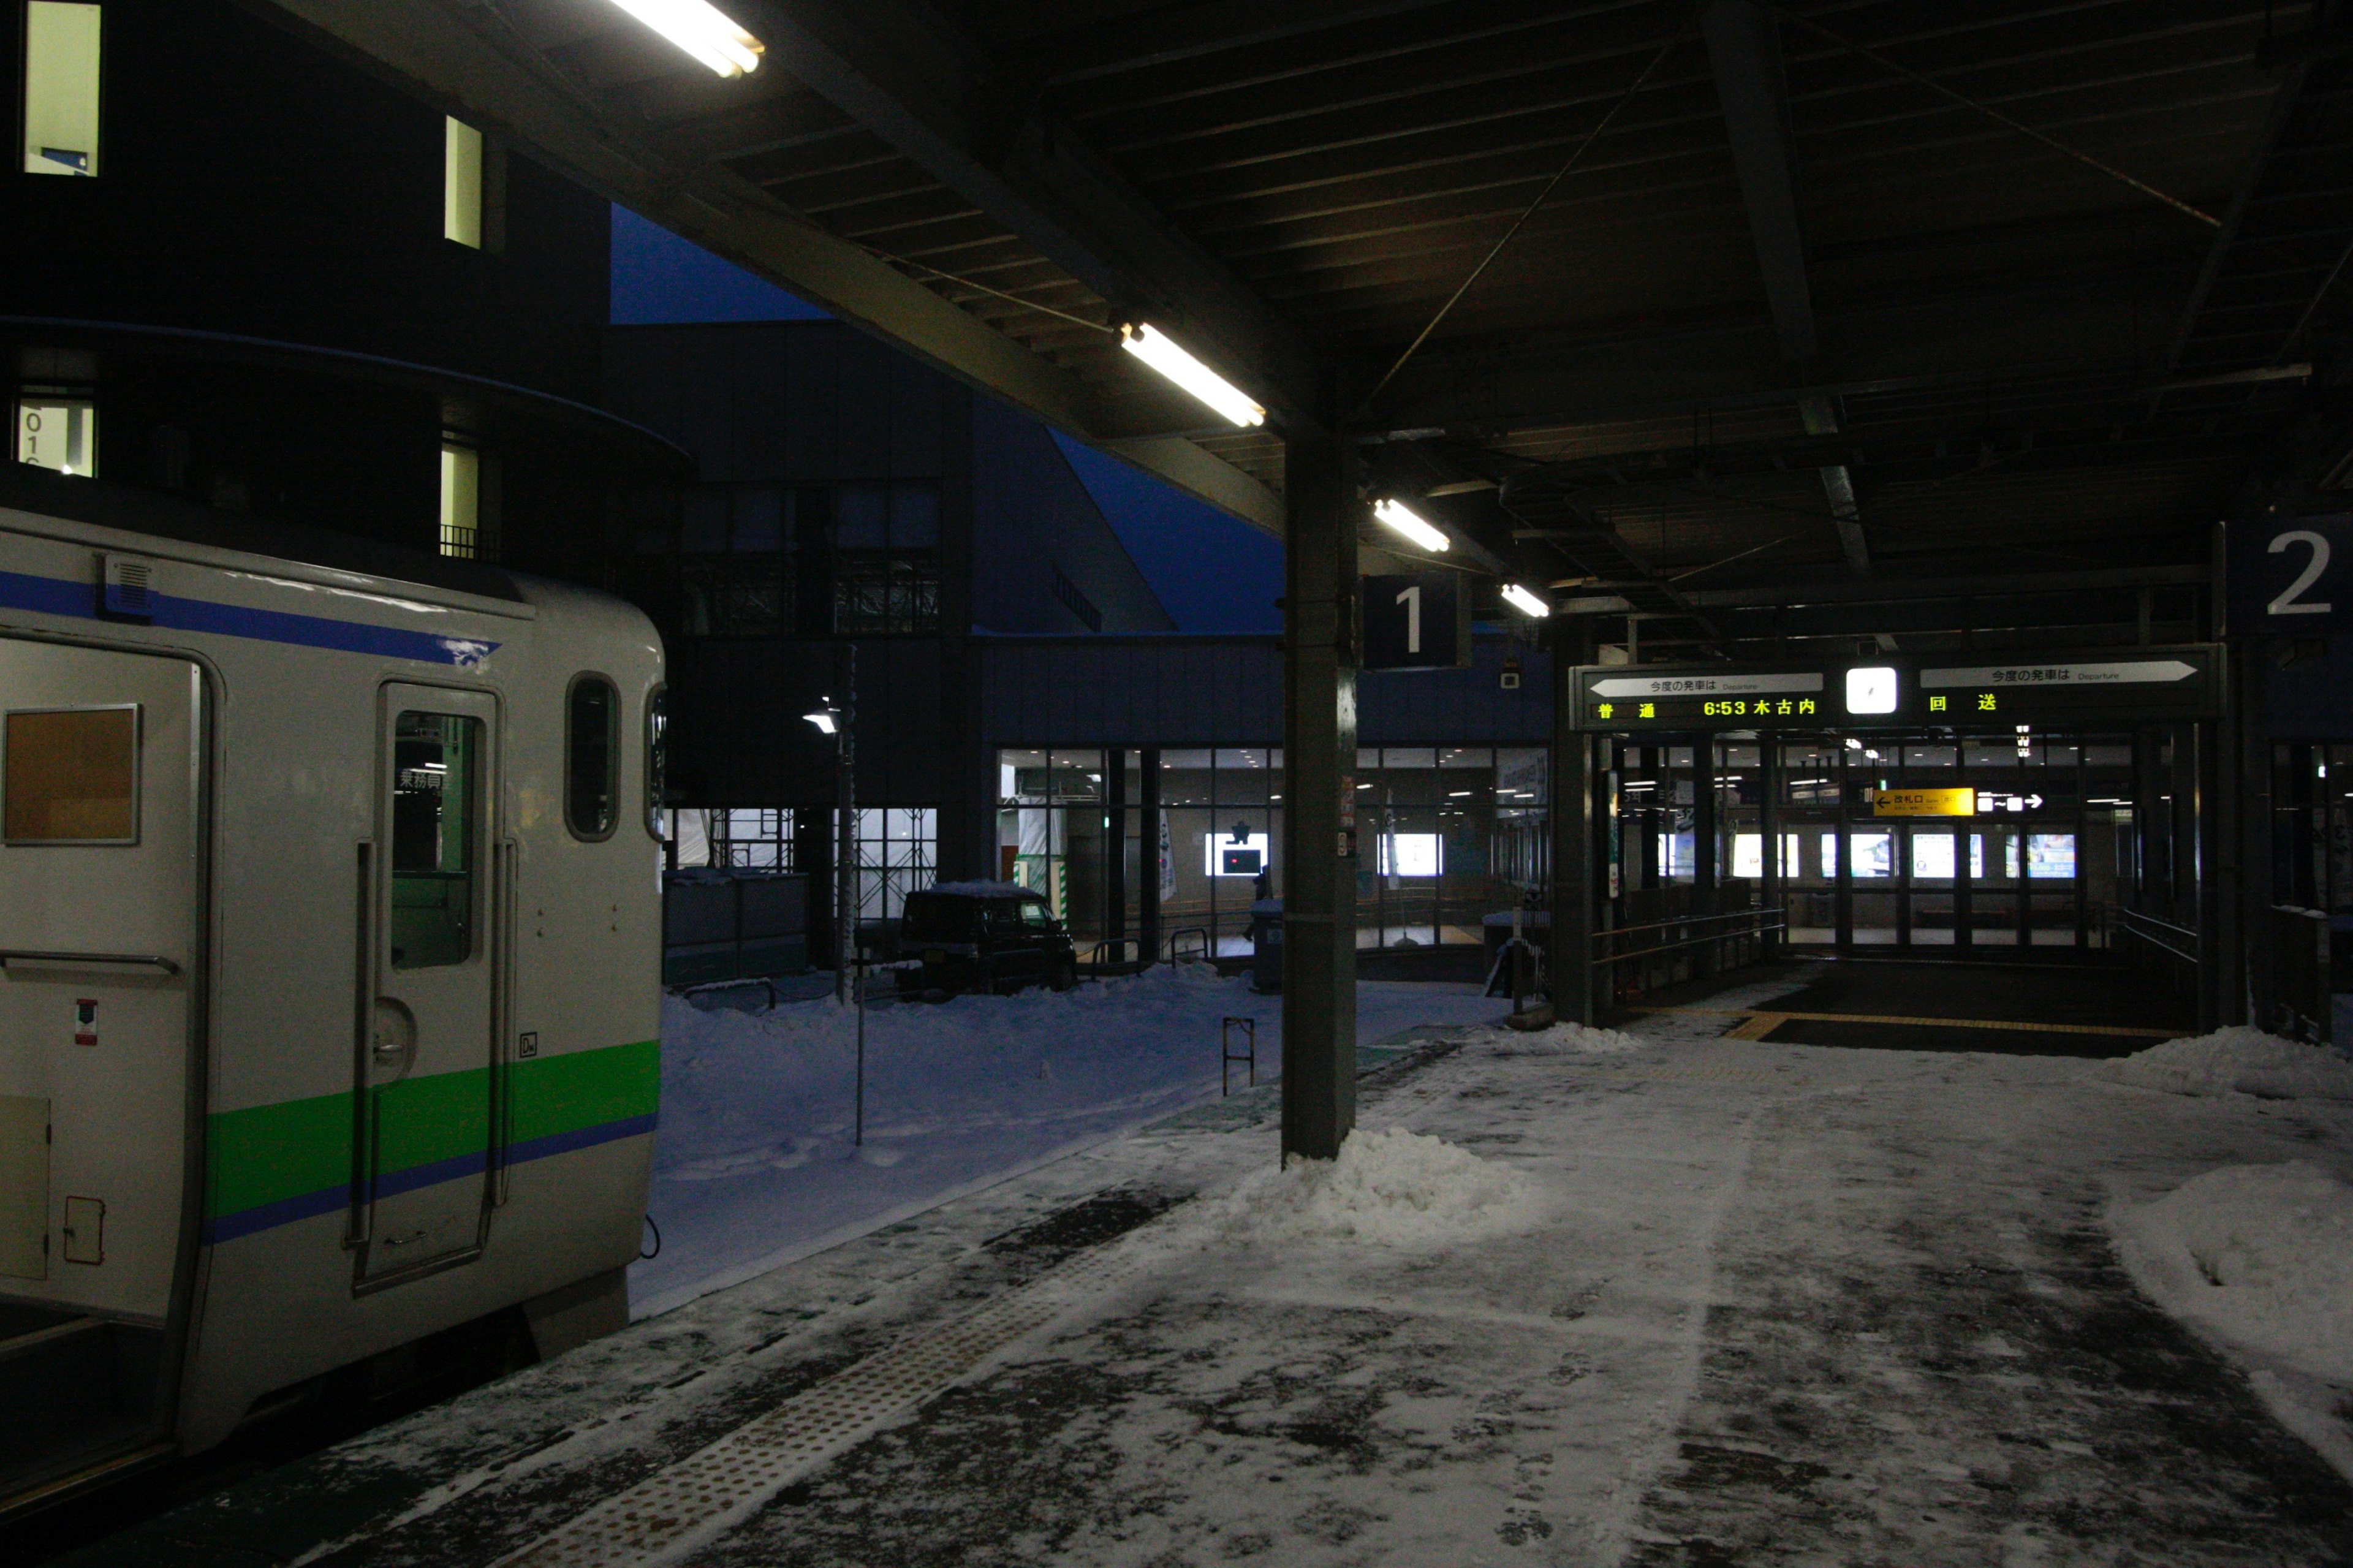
column 2119, row 685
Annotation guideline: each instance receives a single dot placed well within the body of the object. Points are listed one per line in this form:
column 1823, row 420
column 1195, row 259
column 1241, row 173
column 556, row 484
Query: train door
column 100, row 955
column 433, row 962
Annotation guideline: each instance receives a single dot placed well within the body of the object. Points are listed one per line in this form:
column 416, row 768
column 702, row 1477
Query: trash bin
column 1266, row 946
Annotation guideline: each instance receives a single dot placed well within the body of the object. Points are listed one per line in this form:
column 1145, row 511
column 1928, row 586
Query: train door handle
column 392, row 1037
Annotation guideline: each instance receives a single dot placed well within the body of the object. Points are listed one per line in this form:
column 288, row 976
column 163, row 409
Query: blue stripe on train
column 327, row 1200
column 54, row 596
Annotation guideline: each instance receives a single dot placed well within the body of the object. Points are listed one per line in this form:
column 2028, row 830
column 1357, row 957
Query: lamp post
column 841, row 723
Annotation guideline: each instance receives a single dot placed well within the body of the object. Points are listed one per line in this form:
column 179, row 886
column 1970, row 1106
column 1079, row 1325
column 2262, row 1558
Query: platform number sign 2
column 1419, row 622
column 2288, row 576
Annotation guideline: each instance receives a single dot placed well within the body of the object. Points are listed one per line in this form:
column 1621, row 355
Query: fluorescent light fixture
column 1528, row 603
column 1870, row 689
column 822, row 719
column 1399, row 517
column 1152, row 346
column 701, row 31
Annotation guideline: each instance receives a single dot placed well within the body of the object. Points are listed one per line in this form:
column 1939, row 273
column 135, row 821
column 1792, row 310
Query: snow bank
column 2242, row 1059
column 2258, row 1255
column 1391, row 1188
column 1560, row 1039
column 754, row 1165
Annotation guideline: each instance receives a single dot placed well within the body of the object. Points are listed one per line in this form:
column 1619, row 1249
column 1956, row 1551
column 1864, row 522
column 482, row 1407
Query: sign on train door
column 101, row 767
column 433, row 957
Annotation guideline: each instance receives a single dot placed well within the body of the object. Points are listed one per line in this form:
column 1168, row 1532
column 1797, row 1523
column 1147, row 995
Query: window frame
column 655, row 762
column 612, row 753
column 138, row 769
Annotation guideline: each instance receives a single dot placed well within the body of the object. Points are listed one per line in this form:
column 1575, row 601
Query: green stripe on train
column 271, row 1153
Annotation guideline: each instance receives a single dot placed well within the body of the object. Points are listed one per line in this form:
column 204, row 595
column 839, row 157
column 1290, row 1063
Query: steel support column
column 1114, row 927
column 1319, row 830
column 1769, row 836
column 1704, row 834
column 1574, row 863
column 1148, row 867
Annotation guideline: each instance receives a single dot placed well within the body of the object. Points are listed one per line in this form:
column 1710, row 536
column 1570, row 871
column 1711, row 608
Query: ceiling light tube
column 823, row 719
column 1401, row 518
column 703, row 31
column 1528, row 603
column 1152, row 346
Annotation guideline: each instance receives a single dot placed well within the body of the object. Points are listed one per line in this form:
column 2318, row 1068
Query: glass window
column 1874, row 853
column 2051, row 857
column 461, row 502
column 56, row 432
column 657, row 760
column 61, row 51
column 435, row 802
column 1411, row 854
column 757, row 838
column 461, row 183
column 71, row 776
column 1932, row 855
column 592, row 757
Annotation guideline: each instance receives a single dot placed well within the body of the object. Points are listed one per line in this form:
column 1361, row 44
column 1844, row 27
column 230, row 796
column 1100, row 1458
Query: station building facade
column 866, row 533
column 253, row 276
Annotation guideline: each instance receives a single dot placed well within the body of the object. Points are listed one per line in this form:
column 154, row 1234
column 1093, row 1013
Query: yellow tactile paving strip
column 677, row 1510
column 1762, row 1022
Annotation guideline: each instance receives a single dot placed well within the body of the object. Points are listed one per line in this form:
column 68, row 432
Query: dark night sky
column 1213, row 573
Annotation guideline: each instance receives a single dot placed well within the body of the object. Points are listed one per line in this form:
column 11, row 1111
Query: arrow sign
column 2034, row 803
column 1742, row 685
column 2121, row 672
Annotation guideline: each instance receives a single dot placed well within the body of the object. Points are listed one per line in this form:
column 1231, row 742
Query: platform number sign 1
column 1417, row 622
column 2288, row 576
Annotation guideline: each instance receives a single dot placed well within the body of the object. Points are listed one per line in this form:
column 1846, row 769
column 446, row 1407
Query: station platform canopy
column 1756, row 322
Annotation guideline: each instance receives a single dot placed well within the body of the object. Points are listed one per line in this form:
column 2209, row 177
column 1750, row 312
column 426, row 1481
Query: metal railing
column 1178, row 952
column 1742, row 927
column 1129, row 950
column 2179, row 942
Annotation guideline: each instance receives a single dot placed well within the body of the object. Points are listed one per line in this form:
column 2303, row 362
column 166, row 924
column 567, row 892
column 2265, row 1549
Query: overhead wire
column 1521, row 222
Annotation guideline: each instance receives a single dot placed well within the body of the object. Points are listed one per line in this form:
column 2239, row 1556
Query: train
column 330, row 956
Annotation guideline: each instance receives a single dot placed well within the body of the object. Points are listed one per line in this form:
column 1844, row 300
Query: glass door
column 1996, row 885
column 1933, row 862
column 1876, row 900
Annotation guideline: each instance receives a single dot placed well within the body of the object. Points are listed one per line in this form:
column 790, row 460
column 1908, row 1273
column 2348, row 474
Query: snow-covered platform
column 1665, row 1297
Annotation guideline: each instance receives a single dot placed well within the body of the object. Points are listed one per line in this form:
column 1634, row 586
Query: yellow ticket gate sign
column 1924, row 803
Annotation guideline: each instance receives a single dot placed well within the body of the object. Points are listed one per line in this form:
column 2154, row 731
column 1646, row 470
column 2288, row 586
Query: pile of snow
column 1391, row 1188
column 1559, row 1040
column 2258, row 1255
column 2238, row 1058
column 754, row 1163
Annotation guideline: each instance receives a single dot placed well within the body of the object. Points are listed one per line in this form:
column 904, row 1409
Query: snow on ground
column 1389, row 1187
column 2239, row 1059
column 2261, row 1258
column 754, row 1163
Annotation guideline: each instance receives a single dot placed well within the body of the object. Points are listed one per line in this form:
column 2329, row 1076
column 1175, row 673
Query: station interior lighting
column 1154, row 348
column 1399, row 517
column 1528, row 603
column 703, row 31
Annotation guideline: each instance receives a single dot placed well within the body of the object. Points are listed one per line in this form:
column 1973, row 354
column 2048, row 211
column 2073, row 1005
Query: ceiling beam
column 1743, row 50
column 453, row 60
column 910, row 77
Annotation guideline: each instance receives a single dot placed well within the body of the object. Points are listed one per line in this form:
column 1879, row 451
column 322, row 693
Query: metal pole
column 858, row 1134
column 1704, row 834
column 1319, row 827
column 845, row 853
column 1573, row 867
column 1147, row 856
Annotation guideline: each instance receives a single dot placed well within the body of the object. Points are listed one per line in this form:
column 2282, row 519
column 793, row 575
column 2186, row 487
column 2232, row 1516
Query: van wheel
column 1064, row 975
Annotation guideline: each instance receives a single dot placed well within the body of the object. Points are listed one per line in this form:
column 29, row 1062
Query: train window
column 592, row 757
column 71, row 776
column 657, row 760
column 436, row 805
column 56, row 432
column 461, row 183
column 61, row 47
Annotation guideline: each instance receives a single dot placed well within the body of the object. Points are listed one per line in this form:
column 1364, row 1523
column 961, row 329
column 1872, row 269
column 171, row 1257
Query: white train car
column 330, row 946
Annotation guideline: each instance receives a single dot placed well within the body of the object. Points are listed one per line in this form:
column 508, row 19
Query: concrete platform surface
column 1785, row 1304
